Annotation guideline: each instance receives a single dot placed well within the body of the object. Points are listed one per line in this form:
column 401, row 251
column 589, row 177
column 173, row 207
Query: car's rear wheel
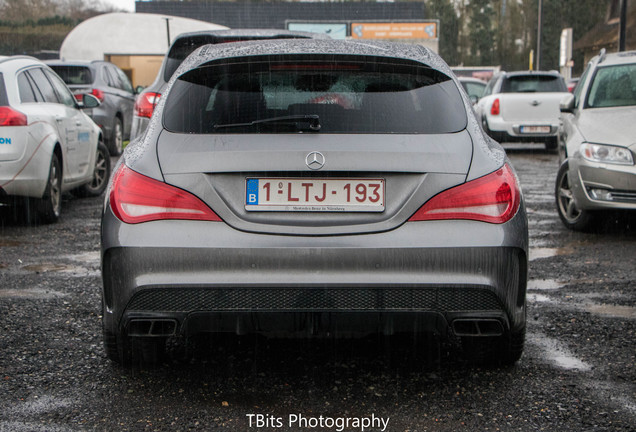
column 101, row 174
column 49, row 206
column 116, row 143
column 571, row 216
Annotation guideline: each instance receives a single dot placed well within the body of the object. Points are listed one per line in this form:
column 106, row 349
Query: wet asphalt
column 578, row 372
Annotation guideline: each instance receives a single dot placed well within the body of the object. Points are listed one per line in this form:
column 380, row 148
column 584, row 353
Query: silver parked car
column 48, row 145
column 111, row 86
column 598, row 142
column 182, row 47
column 314, row 187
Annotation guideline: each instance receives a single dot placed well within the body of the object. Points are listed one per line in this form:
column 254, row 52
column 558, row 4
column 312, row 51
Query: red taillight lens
column 11, row 117
column 99, row 94
column 135, row 198
column 494, row 109
column 492, row 198
column 146, row 103
column 79, row 97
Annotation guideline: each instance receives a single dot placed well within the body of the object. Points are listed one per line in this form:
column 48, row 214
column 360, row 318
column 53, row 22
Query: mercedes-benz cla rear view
column 314, row 187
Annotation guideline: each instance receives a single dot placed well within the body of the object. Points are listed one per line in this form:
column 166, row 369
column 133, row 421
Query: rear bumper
column 504, row 131
column 422, row 276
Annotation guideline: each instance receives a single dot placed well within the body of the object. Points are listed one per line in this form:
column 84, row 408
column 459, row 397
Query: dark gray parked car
column 314, row 187
column 111, row 86
column 182, row 47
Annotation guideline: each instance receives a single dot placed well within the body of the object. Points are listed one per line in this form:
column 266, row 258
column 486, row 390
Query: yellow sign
column 407, row 30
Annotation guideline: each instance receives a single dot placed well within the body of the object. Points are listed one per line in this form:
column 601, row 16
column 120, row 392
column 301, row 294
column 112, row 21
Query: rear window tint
column 533, row 84
column 74, row 75
column 365, row 95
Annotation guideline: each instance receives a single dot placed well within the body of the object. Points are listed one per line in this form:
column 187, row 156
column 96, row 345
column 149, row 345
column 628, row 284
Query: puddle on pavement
column 544, row 284
column 544, row 252
column 612, row 311
column 30, row 293
column 556, row 353
column 86, row 257
column 539, row 298
column 62, row 268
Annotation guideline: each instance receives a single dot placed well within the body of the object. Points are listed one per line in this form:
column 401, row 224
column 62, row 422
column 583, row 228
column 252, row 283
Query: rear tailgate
column 531, row 107
column 412, row 169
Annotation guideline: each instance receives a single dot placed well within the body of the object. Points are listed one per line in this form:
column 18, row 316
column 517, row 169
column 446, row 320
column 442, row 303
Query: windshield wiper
column 312, row 120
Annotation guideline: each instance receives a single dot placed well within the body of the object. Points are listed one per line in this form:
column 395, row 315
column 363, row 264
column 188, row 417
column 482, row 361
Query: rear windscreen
column 315, row 94
column 533, row 84
column 74, row 75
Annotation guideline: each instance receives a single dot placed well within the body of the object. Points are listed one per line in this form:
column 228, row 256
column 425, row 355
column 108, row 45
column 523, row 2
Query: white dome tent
column 136, row 42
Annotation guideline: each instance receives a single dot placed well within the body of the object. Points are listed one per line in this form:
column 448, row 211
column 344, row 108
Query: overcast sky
column 128, row 5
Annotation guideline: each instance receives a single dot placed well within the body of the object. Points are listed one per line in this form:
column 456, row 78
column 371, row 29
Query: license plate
column 314, row 195
column 535, row 129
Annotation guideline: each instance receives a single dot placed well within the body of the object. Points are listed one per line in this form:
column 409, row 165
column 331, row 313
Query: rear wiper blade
column 312, row 120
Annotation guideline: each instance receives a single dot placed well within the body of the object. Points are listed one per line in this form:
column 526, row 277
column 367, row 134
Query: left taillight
column 135, row 198
column 493, row 198
column 11, row 117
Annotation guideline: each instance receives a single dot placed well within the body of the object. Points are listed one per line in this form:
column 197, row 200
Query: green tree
column 444, row 11
column 481, row 32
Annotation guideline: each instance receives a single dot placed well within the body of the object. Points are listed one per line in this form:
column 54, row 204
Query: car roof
column 624, row 57
column 273, row 47
column 531, row 72
column 63, row 62
column 263, row 33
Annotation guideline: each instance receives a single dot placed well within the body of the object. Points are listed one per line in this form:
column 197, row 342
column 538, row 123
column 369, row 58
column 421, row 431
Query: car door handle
column 78, row 123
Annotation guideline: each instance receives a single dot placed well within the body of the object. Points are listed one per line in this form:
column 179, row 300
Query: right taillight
column 493, row 198
column 146, row 103
column 11, row 117
column 135, row 198
column 495, row 109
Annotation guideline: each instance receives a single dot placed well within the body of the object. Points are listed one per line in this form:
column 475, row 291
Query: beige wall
column 141, row 69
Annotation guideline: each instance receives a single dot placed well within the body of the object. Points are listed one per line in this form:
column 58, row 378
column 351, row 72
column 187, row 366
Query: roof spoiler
column 602, row 55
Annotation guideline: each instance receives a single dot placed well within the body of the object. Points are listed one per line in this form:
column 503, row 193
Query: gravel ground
column 577, row 374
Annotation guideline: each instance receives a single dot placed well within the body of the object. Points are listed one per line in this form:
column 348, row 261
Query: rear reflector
column 11, row 117
column 146, row 103
column 135, row 198
column 493, row 198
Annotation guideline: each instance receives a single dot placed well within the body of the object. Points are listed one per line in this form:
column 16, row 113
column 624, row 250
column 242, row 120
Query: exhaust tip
column 477, row 327
column 154, row 327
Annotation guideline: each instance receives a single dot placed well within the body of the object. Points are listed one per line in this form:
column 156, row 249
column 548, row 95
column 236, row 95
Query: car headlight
column 607, row 154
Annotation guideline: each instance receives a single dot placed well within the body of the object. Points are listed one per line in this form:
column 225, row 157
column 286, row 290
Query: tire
column 116, row 142
column 571, row 216
column 49, row 207
column 101, row 174
column 551, row 144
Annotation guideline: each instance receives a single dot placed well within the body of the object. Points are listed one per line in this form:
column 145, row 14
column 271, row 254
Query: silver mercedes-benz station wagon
column 314, row 188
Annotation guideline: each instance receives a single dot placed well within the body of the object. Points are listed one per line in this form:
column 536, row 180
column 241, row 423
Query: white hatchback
column 48, row 145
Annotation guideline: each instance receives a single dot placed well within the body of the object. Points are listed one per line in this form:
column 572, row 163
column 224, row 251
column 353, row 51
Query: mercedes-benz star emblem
column 315, row 160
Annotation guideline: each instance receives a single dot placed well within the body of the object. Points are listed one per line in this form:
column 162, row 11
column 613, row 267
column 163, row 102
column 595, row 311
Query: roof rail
column 602, row 55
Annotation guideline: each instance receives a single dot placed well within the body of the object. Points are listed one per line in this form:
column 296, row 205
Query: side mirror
column 89, row 101
column 567, row 104
column 139, row 89
column 474, row 99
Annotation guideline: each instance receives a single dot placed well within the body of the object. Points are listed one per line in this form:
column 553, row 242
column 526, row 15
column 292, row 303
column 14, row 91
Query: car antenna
column 602, row 54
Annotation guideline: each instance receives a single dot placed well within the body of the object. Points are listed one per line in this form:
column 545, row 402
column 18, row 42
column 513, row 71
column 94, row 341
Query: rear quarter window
column 347, row 96
column 4, row 100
